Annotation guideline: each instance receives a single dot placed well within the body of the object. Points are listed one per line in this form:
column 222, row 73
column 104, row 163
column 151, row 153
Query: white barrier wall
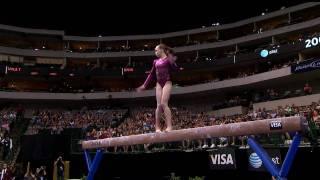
column 229, row 111
column 298, row 101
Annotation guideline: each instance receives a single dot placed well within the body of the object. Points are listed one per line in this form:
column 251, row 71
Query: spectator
column 60, row 168
column 307, row 89
column 29, row 175
column 6, row 173
column 41, row 173
column 7, row 146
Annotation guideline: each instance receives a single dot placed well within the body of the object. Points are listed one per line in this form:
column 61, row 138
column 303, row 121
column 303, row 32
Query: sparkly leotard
column 161, row 71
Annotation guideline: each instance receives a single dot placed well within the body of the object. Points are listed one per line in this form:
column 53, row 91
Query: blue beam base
column 282, row 173
column 93, row 166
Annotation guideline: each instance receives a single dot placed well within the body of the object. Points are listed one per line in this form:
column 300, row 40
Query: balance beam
column 267, row 126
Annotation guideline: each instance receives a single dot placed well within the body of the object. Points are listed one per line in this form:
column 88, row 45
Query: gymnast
column 161, row 71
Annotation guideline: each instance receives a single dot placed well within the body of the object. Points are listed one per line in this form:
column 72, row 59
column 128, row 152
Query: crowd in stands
column 8, row 118
column 16, row 172
column 103, row 123
column 141, row 121
column 56, row 120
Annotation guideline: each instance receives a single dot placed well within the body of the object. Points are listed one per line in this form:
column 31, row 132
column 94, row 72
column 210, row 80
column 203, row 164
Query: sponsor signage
column 265, row 52
column 256, row 164
column 222, row 158
column 275, row 125
column 305, row 66
column 12, row 69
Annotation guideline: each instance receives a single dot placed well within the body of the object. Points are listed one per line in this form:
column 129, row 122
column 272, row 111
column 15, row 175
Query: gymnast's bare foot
column 158, row 130
column 168, row 129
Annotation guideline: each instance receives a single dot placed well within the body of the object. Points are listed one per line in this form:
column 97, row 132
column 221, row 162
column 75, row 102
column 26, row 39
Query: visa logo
column 221, row 159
